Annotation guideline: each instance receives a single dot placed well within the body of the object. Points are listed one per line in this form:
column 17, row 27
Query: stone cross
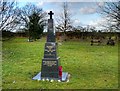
column 51, row 13
column 51, row 34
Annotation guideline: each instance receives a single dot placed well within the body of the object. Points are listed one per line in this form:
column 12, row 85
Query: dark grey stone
column 51, row 34
column 50, row 50
column 51, row 13
column 50, row 68
column 50, row 61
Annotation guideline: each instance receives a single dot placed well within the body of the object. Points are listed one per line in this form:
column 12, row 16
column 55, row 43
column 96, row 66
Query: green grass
column 0, row 65
column 90, row 67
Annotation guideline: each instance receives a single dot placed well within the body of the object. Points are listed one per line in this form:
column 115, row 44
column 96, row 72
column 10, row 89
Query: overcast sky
column 83, row 13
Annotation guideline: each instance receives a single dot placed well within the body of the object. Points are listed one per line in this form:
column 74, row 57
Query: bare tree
column 8, row 15
column 64, row 20
column 112, row 11
column 31, row 15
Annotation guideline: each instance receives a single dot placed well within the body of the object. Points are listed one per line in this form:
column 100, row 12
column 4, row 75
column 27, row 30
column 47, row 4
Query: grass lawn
column 91, row 67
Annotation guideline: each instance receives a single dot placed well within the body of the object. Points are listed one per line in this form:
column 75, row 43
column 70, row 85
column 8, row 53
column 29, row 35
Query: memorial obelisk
column 51, row 69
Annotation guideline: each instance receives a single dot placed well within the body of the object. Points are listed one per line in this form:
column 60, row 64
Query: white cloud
column 67, row 0
column 77, row 21
column 99, row 23
column 101, row 3
column 87, row 10
column 39, row 4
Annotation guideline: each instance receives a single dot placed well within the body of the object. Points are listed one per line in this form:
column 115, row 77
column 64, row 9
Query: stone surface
column 50, row 50
column 63, row 79
column 51, row 13
column 50, row 68
column 51, row 34
column 50, row 62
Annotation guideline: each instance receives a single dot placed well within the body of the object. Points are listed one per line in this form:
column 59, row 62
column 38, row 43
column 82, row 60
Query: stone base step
column 65, row 77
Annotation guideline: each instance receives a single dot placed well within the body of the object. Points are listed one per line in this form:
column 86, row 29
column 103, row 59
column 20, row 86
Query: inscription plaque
column 49, row 63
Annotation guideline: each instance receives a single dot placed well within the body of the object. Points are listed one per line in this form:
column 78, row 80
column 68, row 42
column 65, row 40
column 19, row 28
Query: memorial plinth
column 51, row 69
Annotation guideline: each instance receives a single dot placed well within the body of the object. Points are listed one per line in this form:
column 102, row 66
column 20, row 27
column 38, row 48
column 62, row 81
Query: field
column 90, row 67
